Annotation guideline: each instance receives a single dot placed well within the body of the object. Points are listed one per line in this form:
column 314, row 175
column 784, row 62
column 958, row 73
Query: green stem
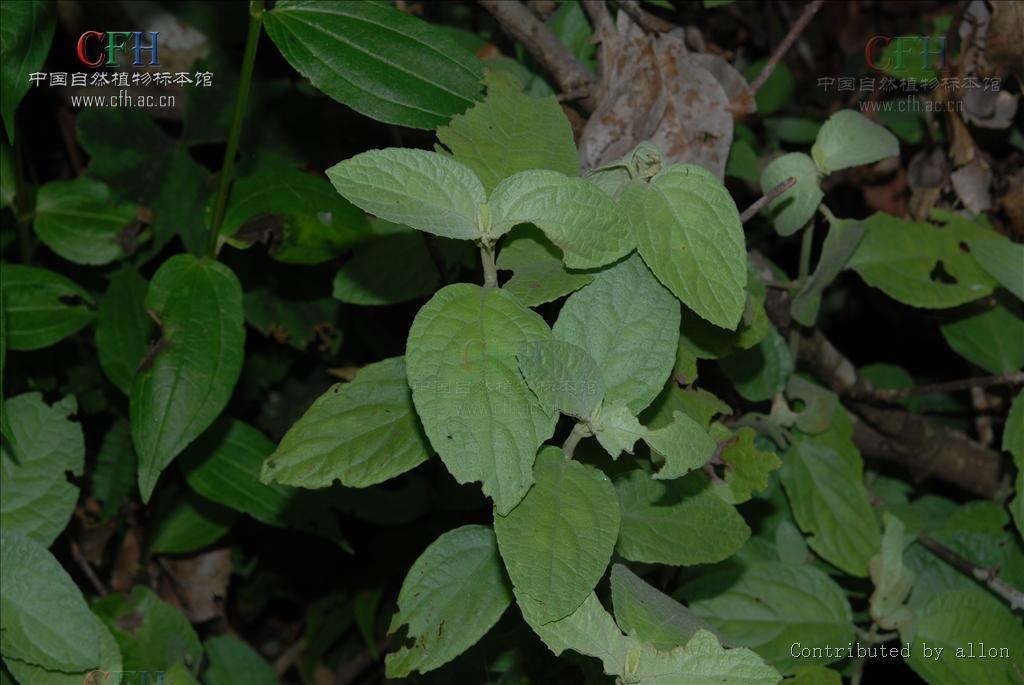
column 806, row 243
column 251, row 41
column 490, row 270
column 579, row 431
column 22, row 212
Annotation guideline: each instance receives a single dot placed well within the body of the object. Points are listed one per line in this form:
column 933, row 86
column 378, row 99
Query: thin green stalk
column 806, row 243
column 22, row 213
column 220, row 205
column 579, row 431
column 490, row 270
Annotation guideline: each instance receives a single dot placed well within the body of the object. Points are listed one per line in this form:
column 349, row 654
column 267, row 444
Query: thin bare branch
column 753, row 209
column 801, row 23
column 984, row 575
column 1009, row 379
column 647, row 21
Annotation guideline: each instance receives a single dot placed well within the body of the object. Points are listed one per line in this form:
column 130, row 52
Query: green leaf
column 184, row 522
column 849, row 139
column 361, row 433
column 123, row 329
column 747, row 468
column 617, row 430
column 153, row 635
column 1001, row 259
column 539, row 274
column 590, row 630
column 823, row 478
column 793, row 129
column 815, row 675
column 688, row 230
column 771, row 606
column 41, row 307
column 477, row 410
column 557, row 542
column 307, row 221
column 892, row 579
column 44, row 619
column 629, row 324
column 963, row 623
column 425, row 190
column 680, row 522
column 761, row 371
column 796, row 206
column 777, row 91
column 563, row 376
column 743, row 162
column 383, row 63
column 196, row 363
column 570, row 24
column 81, row 222
column 819, row 405
column 109, row 662
column 1013, row 442
column 790, row 544
column 452, row 595
column 844, row 235
column 295, row 322
column 575, row 215
column 8, row 177
column 24, row 43
column 36, row 497
column 697, row 403
column 989, row 334
column 233, row 661
column 683, row 445
column 650, row 615
column 116, row 467
column 903, row 259
column 511, row 132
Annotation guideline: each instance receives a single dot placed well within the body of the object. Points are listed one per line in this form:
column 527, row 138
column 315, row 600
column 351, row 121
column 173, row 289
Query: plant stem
column 987, row 576
column 227, row 168
column 794, row 32
column 753, row 209
column 579, row 431
column 806, row 243
column 1007, row 379
column 21, row 210
column 490, row 270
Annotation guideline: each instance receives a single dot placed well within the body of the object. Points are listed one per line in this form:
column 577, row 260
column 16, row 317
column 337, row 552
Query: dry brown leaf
column 201, row 583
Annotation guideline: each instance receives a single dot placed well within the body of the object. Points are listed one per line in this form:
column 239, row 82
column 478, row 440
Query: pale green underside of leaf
column 383, row 63
column 476, row 409
column 557, row 542
column 770, row 606
column 539, row 275
column 36, row 498
column 629, row 324
column 123, row 329
column 80, row 221
column 891, row 578
column 361, row 433
column 199, row 303
column 617, row 430
column 849, row 139
column 41, row 307
column 26, row 31
column 510, row 132
column 563, row 376
column 843, row 237
column 791, row 210
column 679, row 522
column 1002, row 260
column 990, row 335
column 650, row 615
column 683, row 445
column 425, row 190
column 688, row 230
column 453, row 594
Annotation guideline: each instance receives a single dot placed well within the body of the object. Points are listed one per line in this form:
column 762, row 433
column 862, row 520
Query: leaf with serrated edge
column 795, row 206
column 684, row 445
column 629, row 324
column 452, row 595
column 563, row 376
column 557, row 542
column 617, row 430
column 650, row 615
column 361, row 433
column 425, row 190
column 539, row 275
column 476, row 409
column 688, row 230
column 844, row 235
column 849, row 139
column 583, row 222
column 892, row 579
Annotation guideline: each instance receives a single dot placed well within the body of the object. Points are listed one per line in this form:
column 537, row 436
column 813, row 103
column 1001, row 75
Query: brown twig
column 544, row 46
column 83, row 563
column 753, row 209
column 289, row 656
column 647, row 21
column 887, row 394
column 801, row 23
column 984, row 575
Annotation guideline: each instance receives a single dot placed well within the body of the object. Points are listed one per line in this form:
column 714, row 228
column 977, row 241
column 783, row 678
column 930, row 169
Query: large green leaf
column 965, row 625
column 114, row 477
column 563, row 376
column 153, row 635
column 772, row 606
column 44, row 619
column 680, row 522
column 192, row 372
column 477, row 410
column 989, row 334
column 109, row 662
column 629, row 324
column 791, row 210
column 575, row 215
column 650, row 615
column 849, row 139
column 539, row 275
column 903, row 258
column 36, row 498
column 892, row 579
column 426, row 190
column 361, row 433
column 510, row 132
column 383, row 63
column 41, row 307
column 233, row 661
column 182, row 521
column 299, row 214
column 761, row 371
column 26, row 31
column 688, row 230
column 1001, row 259
column 123, row 329
column 844, row 235
column 81, row 222
column 451, row 596
column 557, row 542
